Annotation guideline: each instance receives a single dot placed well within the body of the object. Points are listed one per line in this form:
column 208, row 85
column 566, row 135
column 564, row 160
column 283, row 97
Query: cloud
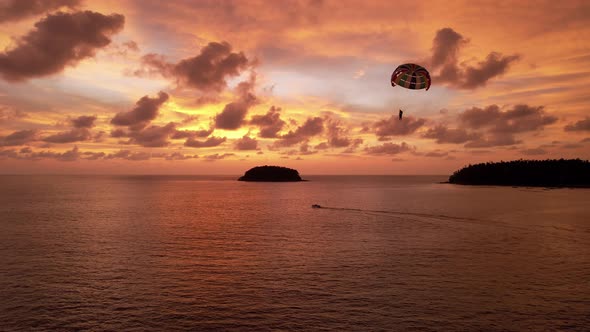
column 233, row 114
column 70, row 155
column 18, row 138
column 446, row 47
column 572, row 146
column 210, row 142
column 206, row 71
column 312, row 127
column 388, row 149
column 498, row 139
column 437, row 154
column 494, row 65
column 582, row 125
column 7, row 114
column 246, row 143
column 74, row 135
column 129, row 155
column 181, row 134
column 14, row 10
column 146, row 110
column 153, row 136
column 533, row 152
column 89, row 155
column 83, row 121
column 217, row 156
column 442, row 135
column 59, row 40
column 8, row 154
column 270, row 123
column 520, row 118
column 394, row 127
column 178, row 156
column 494, row 126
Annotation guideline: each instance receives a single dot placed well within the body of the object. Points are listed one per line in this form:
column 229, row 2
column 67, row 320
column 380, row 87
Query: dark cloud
column 572, row 146
column 498, row 139
column 494, row 65
column 84, row 121
column 436, row 154
column 181, row 134
column 207, row 71
column 246, row 143
column 445, row 58
column 74, row 135
column 337, row 134
column 520, row 118
column 76, row 154
column 388, row 149
column 582, row 125
column 217, row 156
column 8, row 154
column 178, row 156
column 311, row 127
column 233, row 114
column 18, row 138
column 146, row 110
column 210, row 142
column 129, row 155
column 89, row 155
column 14, row 10
column 394, row 127
column 118, row 133
column 153, row 136
column 585, row 140
column 533, row 152
column 445, row 47
column 270, row 124
column 354, row 144
column 58, row 40
column 442, row 135
column 7, row 114
column 70, row 155
column 322, row 146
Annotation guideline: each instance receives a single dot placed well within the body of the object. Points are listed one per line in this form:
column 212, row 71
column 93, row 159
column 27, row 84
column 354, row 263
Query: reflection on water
column 194, row 253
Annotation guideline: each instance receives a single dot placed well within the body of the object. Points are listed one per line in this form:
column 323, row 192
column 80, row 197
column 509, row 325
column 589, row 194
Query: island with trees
column 271, row 174
column 530, row 173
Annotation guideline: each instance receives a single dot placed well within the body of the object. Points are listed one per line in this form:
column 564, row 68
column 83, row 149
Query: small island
column 271, row 174
column 529, row 173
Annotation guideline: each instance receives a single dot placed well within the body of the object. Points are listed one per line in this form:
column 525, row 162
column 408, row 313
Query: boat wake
column 441, row 218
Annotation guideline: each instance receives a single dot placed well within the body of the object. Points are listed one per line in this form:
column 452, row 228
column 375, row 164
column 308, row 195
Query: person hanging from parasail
column 410, row 76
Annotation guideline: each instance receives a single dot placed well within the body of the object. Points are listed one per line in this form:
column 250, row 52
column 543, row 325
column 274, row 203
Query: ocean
column 199, row 253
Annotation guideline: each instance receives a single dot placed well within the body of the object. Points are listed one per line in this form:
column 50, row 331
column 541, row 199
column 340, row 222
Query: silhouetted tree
column 544, row 173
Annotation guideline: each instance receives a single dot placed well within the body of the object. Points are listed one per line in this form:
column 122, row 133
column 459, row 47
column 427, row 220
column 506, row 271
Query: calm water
column 197, row 253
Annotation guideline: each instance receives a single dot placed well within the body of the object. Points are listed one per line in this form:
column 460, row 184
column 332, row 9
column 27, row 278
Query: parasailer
column 410, row 76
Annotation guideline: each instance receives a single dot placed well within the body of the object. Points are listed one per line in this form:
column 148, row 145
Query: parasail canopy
column 411, row 76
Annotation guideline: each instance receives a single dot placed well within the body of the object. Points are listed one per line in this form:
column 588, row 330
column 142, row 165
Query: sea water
column 384, row 253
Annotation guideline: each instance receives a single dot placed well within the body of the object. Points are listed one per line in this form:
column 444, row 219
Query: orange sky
column 212, row 87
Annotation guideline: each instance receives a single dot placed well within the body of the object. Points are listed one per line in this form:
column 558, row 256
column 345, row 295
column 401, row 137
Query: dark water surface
column 167, row 253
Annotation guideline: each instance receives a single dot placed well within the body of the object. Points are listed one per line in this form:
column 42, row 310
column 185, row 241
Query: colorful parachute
column 411, row 76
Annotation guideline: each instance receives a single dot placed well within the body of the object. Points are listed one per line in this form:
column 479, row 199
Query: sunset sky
column 217, row 87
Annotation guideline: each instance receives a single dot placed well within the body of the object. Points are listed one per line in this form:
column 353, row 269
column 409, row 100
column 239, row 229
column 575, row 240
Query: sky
column 218, row 87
